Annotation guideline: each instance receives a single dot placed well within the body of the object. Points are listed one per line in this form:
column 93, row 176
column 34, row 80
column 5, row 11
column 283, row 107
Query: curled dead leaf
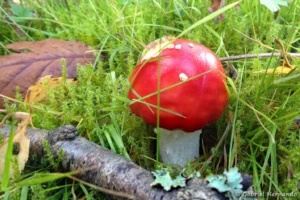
column 34, row 60
column 38, row 91
column 20, row 138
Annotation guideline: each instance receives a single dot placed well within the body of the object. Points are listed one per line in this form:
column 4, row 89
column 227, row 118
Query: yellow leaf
column 278, row 70
column 3, row 148
column 20, row 138
column 38, row 91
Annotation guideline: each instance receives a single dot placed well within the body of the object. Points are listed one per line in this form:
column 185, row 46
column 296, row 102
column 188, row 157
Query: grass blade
column 8, row 158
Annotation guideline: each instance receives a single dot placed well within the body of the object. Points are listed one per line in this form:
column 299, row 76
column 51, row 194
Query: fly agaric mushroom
column 193, row 94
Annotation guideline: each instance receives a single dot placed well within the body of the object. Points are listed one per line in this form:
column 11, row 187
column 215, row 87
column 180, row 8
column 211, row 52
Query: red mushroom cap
column 201, row 100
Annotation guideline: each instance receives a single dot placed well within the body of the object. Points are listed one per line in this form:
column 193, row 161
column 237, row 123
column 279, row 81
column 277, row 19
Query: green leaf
column 20, row 10
column 274, row 5
column 163, row 178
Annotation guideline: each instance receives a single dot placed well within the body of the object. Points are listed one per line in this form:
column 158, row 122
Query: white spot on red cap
column 178, row 46
column 183, row 77
column 171, row 46
column 191, row 45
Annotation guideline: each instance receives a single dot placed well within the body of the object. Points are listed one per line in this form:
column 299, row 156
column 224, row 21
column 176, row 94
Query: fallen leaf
column 38, row 91
column 277, row 70
column 216, row 5
column 20, row 138
column 38, row 59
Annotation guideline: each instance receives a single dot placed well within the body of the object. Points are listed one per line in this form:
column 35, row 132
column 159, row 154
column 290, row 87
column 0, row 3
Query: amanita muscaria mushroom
column 193, row 94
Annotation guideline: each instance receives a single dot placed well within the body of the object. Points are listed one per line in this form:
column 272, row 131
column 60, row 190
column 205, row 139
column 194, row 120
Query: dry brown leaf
column 38, row 91
column 43, row 58
column 216, row 5
column 20, row 138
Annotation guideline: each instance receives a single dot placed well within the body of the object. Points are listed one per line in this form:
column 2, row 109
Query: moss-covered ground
column 262, row 140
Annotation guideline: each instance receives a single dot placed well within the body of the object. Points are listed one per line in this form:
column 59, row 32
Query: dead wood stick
column 106, row 169
column 259, row 55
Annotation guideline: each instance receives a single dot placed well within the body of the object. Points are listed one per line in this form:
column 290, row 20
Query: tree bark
column 106, row 169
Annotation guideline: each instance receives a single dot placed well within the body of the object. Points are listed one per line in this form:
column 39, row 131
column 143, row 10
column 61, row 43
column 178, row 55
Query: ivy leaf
column 163, row 178
column 274, row 5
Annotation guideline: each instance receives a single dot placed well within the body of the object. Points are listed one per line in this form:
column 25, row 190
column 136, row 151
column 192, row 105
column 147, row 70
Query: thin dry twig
column 73, row 191
column 262, row 125
column 286, row 62
column 255, row 41
column 271, row 101
column 137, row 41
column 259, row 55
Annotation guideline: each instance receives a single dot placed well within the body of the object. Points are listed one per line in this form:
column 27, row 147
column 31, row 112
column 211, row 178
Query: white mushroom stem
column 178, row 147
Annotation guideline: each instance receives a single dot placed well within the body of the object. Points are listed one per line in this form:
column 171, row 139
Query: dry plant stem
column 255, row 41
column 225, row 157
column 103, row 168
column 263, row 126
column 260, row 55
column 286, row 62
column 73, row 191
column 106, row 191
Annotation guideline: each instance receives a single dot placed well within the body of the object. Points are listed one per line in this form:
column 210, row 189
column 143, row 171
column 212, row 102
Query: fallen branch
column 259, row 55
column 118, row 176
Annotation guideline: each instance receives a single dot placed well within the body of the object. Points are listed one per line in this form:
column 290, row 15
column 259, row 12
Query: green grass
column 262, row 140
